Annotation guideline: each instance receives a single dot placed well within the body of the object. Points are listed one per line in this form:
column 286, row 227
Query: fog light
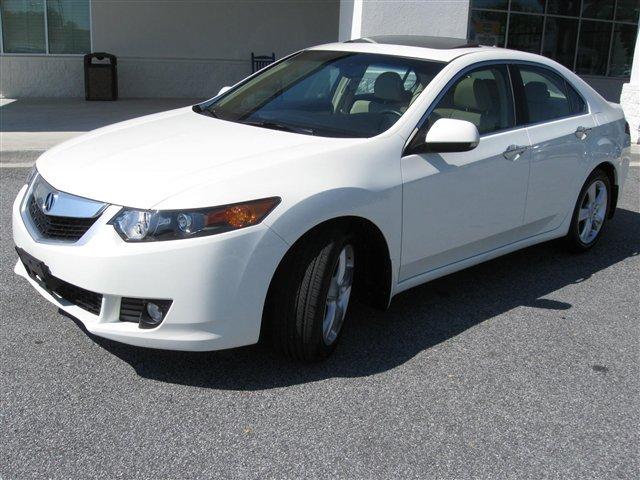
column 155, row 312
column 147, row 313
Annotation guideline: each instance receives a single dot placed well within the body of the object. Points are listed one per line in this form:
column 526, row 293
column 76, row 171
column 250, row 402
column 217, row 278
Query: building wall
column 609, row 88
column 630, row 97
column 41, row 76
column 177, row 48
column 437, row 18
column 190, row 48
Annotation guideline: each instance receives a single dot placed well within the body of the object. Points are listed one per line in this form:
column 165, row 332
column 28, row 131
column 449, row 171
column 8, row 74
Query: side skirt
column 480, row 258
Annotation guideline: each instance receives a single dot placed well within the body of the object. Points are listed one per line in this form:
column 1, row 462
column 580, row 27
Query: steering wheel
column 391, row 112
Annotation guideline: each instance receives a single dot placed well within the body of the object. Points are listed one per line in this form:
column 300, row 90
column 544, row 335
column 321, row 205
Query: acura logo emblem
column 49, row 200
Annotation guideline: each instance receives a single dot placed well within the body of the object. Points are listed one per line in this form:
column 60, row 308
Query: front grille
column 85, row 299
column 131, row 309
column 58, row 228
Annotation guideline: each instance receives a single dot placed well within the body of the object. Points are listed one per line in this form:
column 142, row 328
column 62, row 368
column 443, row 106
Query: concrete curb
column 19, row 159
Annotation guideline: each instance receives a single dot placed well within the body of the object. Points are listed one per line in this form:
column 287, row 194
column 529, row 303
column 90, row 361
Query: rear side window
column 577, row 103
column 482, row 97
column 545, row 94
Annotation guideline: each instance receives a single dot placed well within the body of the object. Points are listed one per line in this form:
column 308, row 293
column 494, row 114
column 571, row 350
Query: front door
column 458, row 205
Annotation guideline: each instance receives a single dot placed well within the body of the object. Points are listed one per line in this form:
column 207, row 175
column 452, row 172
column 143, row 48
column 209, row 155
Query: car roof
column 424, row 41
column 442, row 49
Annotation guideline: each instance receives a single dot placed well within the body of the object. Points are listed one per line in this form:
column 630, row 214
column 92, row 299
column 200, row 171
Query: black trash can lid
column 88, row 58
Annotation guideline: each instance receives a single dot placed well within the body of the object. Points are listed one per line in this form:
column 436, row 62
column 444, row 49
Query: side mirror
column 449, row 135
column 223, row 90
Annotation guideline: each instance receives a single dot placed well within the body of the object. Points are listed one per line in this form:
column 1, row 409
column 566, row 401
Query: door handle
column 513, row 152
column 582, row 132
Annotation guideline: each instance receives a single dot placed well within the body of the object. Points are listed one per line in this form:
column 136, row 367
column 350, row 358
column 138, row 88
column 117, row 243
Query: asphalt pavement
column 523, row 367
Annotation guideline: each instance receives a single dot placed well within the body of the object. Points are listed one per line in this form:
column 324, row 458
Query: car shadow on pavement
column 417, row 320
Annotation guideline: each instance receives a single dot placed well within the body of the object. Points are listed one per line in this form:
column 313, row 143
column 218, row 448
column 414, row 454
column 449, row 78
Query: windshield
column 331, row 94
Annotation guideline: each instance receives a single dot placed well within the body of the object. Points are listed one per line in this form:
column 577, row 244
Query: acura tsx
column 356, row 169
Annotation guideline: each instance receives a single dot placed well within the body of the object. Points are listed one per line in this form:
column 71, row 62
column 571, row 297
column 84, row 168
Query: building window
column 590, row 37
column 45, row 26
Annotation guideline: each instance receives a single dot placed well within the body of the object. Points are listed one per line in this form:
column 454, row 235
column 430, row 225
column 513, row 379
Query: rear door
column 559, row 127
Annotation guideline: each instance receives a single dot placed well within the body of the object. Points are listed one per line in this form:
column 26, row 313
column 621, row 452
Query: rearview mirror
column 450, row 135
column 223, row 90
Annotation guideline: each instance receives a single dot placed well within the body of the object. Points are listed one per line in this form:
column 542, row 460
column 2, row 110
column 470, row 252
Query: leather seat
column 537, row 95
column 388, row 93
column 474, row 102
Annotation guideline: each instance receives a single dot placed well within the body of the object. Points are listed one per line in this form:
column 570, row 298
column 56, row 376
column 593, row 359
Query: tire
column 299, row 301
column 589, row 215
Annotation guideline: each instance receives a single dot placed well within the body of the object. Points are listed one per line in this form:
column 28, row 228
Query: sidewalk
column 29, row 127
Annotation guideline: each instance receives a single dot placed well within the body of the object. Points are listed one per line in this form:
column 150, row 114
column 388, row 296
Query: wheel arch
column 374, row 279
column 610, row 170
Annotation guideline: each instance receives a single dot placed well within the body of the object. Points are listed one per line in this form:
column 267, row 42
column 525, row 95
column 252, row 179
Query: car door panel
column 457, row 205
column 559, row 155
column 559, row 129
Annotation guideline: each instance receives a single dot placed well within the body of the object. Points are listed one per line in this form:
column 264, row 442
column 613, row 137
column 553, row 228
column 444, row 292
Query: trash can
column 100, row 76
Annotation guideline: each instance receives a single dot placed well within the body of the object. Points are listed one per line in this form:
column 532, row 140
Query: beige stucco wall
column 177, row 48
column 437, row 18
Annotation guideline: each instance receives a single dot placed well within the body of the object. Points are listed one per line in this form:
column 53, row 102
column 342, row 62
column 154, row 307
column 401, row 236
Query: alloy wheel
column 338, row 295
column 592, row 212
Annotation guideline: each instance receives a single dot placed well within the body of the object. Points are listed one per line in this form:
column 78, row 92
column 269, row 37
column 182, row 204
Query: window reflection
column 494, row 4
column 628, row 11
column 488, row 28
column 64, row 30
column 23, row 26
column 624, row 40
column 525, row 33
column 592, row 37
column 533, row 6
column 560, row 36
column 563, row 7
column 593, row 47
column 68, row 26
column 602, row 9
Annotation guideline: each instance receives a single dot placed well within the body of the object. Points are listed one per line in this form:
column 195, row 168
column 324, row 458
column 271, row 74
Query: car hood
column 141, row 162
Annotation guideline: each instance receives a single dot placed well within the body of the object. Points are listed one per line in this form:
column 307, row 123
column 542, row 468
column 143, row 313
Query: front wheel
column 310, row 296
column 590, row 213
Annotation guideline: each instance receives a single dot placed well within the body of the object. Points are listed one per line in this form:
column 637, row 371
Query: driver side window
column 482, row 97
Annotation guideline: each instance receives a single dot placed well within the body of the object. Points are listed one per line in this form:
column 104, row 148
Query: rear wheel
column 590, row 213
column 310, row 296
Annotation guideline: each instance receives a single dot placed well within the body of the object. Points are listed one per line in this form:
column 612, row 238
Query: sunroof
column 440, row 43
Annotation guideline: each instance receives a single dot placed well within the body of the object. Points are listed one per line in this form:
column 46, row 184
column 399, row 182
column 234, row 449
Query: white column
column 436, row 18
column 350, row 20
column 630, row 98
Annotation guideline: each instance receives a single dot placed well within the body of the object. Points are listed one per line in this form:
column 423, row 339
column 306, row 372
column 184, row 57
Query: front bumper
column 218, row 284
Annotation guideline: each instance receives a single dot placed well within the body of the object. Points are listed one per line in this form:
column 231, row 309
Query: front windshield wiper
column 279, row 126
column 204, row 111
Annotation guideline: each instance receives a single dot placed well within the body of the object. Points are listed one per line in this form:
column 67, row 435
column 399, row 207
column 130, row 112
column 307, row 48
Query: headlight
column 148, row 226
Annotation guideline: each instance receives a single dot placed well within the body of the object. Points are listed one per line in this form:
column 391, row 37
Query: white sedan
column 351, row 169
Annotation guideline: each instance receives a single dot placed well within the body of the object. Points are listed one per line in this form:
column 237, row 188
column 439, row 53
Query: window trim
column 46, row 52
column 565, row 83
column 510, row 65
column 409, row 144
